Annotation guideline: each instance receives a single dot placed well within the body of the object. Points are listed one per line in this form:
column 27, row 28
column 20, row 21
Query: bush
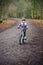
column 1, row 21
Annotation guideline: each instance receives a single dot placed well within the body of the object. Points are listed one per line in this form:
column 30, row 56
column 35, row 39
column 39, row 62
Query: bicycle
column 21, row 39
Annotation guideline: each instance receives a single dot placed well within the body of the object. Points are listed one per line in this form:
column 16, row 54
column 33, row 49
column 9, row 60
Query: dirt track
column 31, row 53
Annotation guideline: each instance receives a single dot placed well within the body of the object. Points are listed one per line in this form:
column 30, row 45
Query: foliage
column 21, row 8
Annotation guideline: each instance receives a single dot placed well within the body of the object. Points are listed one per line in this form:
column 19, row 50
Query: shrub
column 1, row 21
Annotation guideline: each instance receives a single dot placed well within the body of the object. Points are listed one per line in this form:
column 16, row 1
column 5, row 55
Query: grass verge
column 6, row 24
column 38, row 23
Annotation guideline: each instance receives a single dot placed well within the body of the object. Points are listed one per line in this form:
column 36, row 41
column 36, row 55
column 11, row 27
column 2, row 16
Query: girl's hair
column 23, row 19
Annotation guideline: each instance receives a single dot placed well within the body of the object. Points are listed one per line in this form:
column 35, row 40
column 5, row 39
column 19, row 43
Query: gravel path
column 31, row 53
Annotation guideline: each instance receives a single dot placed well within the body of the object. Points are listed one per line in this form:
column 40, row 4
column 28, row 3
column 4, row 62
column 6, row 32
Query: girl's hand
column 18, row 27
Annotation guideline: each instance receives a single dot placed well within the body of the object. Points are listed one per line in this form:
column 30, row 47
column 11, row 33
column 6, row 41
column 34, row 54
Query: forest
column 21, row 8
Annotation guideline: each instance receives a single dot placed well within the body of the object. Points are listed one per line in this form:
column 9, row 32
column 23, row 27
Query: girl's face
column 23, row 22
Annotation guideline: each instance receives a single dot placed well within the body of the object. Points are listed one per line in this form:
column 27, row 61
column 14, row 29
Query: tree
column 21, row 8
column 37, row 7
column 3, row 7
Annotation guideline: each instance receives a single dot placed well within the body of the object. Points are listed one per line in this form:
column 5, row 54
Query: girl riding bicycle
column 23, row 26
